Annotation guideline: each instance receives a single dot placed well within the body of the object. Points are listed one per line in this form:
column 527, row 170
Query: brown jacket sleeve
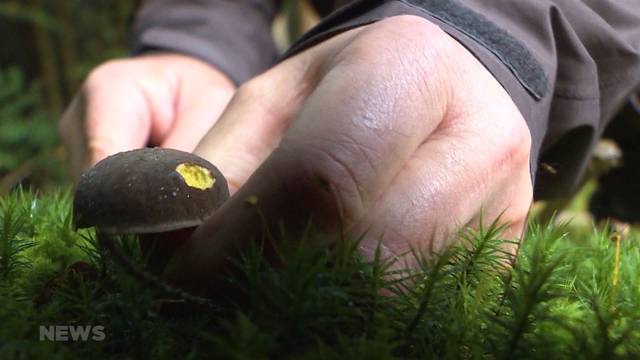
column 568, row 65
column 233, row 35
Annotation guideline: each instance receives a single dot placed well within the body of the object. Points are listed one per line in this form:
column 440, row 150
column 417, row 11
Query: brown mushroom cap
column 148, row 191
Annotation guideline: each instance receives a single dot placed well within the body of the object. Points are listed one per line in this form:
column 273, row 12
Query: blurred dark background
column 48, row 46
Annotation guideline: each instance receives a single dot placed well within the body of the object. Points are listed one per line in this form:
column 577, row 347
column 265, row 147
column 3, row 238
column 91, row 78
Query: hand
column 167, row 100
column 392, row 130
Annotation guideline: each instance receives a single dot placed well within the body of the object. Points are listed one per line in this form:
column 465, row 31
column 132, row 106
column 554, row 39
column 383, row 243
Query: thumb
column 115, row 109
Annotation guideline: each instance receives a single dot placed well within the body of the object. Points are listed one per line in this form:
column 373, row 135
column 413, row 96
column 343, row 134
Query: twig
column 616, row 237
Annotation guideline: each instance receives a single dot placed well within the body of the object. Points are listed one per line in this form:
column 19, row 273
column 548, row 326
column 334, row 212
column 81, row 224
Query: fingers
column 198, row 105
column 110, row 114
column 164, row 99
column 196, row 114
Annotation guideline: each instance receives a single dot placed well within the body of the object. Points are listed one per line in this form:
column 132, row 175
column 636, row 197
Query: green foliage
column 25, row 128
column 50, row 46
column 94, row 32
column 561, row 299
column 15, row 236
column 38, row 16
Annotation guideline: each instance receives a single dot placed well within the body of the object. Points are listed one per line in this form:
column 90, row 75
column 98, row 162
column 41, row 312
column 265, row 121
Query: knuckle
column 415, row 48
column 518, row 144
column 515, row 160
column 508, row 139
column 410, row 25
column 249, row 90
column 399, row 35
column 107, row 71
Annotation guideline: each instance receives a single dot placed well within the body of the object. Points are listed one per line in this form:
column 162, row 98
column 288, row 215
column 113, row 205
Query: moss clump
column 565, row 297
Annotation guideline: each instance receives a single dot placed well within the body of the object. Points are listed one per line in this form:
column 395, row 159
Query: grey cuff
column 233, row 36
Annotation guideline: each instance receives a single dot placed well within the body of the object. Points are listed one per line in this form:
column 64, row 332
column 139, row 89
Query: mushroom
column 606, row 156
column 161, row 195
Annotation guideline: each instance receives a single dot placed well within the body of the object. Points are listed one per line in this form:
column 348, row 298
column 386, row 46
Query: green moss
column 558, row 301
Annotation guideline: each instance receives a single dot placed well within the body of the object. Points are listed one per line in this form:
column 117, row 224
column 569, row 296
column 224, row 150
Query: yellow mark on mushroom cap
column 196, row 176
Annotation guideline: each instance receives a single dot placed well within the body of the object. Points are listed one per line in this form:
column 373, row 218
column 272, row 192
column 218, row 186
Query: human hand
column 392, row 130
column 164, row 99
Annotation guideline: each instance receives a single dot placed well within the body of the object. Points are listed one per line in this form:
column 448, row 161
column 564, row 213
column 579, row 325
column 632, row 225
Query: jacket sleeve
column 233, row 35
column 568, row 65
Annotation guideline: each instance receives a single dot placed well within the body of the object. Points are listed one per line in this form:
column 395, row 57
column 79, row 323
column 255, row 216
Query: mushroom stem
column 106, row 241
column 157, row 248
